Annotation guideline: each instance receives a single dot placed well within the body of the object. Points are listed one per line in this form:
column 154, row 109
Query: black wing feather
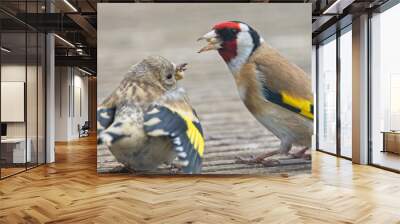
column 161, row 121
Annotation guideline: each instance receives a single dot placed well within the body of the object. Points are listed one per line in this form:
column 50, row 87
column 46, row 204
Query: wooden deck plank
column 230, row 130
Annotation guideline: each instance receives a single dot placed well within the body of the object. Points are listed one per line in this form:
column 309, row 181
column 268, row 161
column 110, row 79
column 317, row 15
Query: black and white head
column 235, row 42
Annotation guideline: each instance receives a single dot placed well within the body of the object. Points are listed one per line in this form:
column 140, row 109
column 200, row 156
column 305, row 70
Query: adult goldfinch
column 148, row 121
column 277, row 92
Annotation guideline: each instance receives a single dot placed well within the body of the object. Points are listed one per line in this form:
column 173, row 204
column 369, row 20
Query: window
column 329, row 112
column 385, row 89
column 22, row 78
column 346, row 92
column 327, row 96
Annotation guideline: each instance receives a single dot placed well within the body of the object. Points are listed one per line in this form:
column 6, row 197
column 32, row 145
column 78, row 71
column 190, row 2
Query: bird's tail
column 185, row 135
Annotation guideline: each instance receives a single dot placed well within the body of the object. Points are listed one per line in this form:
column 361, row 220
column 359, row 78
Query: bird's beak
column 214, row 42
column 180, row 71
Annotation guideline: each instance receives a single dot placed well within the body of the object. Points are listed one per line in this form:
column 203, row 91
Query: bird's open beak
column 179, row 74
column 214, row 42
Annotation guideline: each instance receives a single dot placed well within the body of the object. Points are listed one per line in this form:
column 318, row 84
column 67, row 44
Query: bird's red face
column 231, row 39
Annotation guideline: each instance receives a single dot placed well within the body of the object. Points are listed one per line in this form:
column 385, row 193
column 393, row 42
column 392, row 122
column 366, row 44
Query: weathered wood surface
column 229, row 128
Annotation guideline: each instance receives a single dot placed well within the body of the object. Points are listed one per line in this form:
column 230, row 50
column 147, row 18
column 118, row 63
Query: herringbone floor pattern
column 70, row 191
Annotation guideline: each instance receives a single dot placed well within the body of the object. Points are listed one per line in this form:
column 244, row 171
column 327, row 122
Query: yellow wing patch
column 194, row 135
column 303, row 105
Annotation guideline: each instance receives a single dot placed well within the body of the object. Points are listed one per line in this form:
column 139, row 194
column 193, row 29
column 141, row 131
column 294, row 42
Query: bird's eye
column 169, row 76
column 235, row 30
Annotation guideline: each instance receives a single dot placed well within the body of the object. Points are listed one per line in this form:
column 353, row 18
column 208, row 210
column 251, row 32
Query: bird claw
column 252, row 160
column 271, row 162
column 174, row 170
column 256, row 160
column 128, row 170
column 301, row 154
column 307, row 156
column 175, row 167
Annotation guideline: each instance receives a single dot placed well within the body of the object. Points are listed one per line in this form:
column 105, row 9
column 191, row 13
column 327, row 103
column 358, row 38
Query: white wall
column 71, row 102
column 16, row 73
column 12, row 73
column 50, row 93
column 33, row 126
column 80, row 109
column 62, row 81
column 80, row 118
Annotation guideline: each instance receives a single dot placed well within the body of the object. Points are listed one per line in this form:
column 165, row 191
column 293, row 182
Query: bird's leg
column 174, row 168
column 284, row 149
column 261, row 158
column 256, row 160
column 128, row 169
column 302, row 154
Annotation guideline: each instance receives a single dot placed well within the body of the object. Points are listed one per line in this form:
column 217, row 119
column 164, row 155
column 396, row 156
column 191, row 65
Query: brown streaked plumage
column 122, row 115
column 280, row 74
column 277, row 92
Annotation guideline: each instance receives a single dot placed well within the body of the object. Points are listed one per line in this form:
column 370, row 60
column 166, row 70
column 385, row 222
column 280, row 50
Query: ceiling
column 76, row 22
column 332, row 15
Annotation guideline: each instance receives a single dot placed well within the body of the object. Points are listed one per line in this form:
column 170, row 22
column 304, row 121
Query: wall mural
column 204, row 88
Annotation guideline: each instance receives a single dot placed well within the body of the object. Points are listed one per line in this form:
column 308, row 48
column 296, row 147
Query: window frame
column 334, row 37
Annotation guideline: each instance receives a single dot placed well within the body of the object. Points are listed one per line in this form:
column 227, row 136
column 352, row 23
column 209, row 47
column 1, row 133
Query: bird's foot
column 127, row 169
column 302, row 153
column 251, row 160
column 257, row 160
column 173, row 169
column 271, row 162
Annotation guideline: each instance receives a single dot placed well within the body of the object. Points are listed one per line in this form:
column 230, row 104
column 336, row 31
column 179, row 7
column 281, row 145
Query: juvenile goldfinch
column 276, row 91
column 148, row 121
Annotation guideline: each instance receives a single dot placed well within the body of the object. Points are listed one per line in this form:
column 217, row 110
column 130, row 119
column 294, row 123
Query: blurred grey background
column 127, row 33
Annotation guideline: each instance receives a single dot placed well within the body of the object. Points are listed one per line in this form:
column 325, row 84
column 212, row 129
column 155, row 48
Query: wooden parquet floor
column 70, row 191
